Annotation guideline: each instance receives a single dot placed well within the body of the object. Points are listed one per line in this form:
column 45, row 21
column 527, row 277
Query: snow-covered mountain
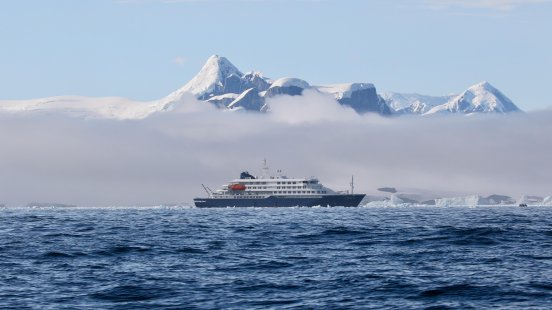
column 219, row 79
column 479, row 98
column 218, row 76
column 222, row 84
column 413, row 103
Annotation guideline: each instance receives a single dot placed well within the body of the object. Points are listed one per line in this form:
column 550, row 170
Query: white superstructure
column 248, row 186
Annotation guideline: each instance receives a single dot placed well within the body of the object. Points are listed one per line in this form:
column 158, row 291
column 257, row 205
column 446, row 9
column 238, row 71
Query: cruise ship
column 276, row 191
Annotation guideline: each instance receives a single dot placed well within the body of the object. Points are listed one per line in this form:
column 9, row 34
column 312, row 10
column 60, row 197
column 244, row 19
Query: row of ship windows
column 300, row 192
column 278, row 187
column 288, row 182
column 288, row 192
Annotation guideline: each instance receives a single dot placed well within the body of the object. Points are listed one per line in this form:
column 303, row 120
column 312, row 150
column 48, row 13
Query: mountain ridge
column 223, row 85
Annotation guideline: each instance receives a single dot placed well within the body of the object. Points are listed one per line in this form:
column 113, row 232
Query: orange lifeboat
column 237, row 187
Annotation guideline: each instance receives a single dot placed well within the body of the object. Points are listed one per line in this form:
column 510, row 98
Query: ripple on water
column 457, row 290
column 56, row 254
column 128, row 293
column 396, row 258
column 191, row 250
column 122, row 249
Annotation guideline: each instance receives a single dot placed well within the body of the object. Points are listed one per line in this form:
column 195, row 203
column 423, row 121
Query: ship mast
column 265, row 174
column 352, row 184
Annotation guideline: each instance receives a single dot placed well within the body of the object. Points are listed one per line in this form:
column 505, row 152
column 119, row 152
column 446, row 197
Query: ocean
column 293, row 258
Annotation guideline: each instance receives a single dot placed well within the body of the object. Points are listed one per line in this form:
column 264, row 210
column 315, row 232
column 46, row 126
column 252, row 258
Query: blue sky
column 144, row 49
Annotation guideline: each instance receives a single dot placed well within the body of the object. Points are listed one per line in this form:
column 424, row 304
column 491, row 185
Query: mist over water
column 55, row 157
column 357, row 258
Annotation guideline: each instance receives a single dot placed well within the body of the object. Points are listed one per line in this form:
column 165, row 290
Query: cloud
column 199, row 1
column 166, row 157
column 499, row 5
column 311, row 107
column 179, row 60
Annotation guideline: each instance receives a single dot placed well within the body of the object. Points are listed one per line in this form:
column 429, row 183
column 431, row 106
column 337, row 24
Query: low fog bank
column 166, row 157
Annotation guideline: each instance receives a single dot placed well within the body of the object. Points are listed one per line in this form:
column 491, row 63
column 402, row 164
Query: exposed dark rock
column 286, row 90
column 255, row 80
column 366, row 100
column 248, row 100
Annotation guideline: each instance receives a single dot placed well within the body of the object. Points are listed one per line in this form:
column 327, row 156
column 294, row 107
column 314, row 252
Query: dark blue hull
column 277, row 202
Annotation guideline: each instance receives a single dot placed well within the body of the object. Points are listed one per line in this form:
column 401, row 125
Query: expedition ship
column 276, row 191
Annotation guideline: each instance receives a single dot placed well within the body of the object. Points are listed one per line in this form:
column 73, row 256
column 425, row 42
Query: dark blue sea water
column 301, row 258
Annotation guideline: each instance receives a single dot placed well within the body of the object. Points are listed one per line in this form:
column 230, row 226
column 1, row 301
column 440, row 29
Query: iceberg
column 467, row 201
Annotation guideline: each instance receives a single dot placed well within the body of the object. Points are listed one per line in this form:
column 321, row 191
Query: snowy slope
column 210, row 79
column 224, row 100
column 106, row 107
column 340, row 91
column 411, row 103
column 479, row 98
column 287, row 86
